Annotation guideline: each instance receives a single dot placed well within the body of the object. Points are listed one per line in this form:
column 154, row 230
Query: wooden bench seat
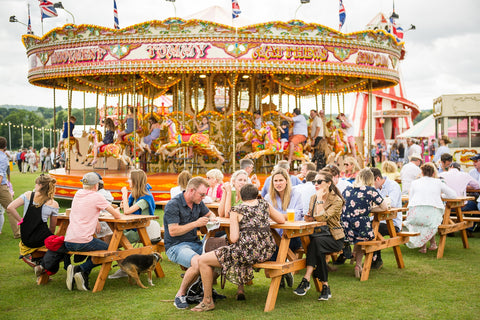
column 274, row 268
column 475, row 212
column 408, row 234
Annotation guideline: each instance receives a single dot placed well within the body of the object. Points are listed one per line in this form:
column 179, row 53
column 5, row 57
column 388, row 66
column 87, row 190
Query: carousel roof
column 151, row 57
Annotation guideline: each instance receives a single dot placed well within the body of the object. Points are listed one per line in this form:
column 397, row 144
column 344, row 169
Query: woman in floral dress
column 359, row 200
column 252, row 242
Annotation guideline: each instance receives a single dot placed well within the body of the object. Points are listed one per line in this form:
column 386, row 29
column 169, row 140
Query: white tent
column 423, row 129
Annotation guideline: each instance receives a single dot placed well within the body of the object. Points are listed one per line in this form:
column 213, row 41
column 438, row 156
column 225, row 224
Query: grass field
column 426, row 289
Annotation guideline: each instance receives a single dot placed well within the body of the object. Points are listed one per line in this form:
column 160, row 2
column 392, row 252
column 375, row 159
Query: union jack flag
column 397, row 31
column 47, row 9
column 235, row 9
column 29, row 27
column 341, row 15
column 116, row 24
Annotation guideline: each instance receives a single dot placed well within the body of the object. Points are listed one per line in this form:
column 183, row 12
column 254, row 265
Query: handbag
column 321, row 231
column 213, row 243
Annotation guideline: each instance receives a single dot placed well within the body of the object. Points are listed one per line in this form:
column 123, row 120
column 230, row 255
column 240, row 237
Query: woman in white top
column 182, row 181
column 231, row 192
column 425, row 207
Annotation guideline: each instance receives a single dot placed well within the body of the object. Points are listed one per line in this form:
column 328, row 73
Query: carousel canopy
column 150, row 58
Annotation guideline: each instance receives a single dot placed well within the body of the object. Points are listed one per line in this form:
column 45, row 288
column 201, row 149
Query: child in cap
column 86, row 207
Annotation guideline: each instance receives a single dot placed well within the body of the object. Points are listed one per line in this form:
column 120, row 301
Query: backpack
column 195, row 293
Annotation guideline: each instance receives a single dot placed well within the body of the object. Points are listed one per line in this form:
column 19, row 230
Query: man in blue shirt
column 184, row 214
column 475, row 172
column 5, row 195
column 391, row 189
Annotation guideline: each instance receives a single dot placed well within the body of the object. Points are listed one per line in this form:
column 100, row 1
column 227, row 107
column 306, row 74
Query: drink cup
column 290, row 215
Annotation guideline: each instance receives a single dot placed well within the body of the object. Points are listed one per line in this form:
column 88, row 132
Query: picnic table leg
column 441, row 245
column 142, row 232
column 463, row 232
column 272, row 293
column 396, row 249
column 366, row 266
column 102, row 276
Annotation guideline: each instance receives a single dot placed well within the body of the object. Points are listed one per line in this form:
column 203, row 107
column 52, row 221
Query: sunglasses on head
column 319, row 181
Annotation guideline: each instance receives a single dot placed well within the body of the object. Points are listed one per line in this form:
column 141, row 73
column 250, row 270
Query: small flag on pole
column 116, row 25
column 29, row 27
column 397, row 31
column 235, row 9
column 341, row 15
column 47, row 9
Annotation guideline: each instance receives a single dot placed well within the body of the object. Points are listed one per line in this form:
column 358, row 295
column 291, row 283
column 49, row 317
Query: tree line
column 39, row 117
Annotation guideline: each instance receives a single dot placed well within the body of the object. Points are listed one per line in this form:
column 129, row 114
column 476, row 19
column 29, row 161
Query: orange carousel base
column 68, row 184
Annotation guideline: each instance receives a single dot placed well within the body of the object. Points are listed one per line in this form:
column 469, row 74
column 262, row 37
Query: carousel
column 215, row 74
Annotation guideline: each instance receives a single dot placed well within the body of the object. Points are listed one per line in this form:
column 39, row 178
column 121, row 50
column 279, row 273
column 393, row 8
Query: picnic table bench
column 450, row 225
column 118, row 240
column 379, row 242
column 287, row 261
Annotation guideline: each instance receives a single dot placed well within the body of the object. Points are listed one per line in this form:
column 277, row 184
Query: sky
column 440, row 54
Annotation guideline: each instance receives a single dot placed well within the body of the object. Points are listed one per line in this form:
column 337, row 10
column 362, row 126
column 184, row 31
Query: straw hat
column 446, row 139
column 415, row 156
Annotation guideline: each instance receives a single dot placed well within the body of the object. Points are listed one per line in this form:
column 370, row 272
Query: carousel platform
column 114, row 180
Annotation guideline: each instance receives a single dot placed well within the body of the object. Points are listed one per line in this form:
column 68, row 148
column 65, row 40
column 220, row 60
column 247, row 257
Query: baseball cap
column 91, row 178
column 475, row 157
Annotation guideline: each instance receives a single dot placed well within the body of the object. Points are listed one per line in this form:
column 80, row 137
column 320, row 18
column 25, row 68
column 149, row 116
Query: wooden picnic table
column 212, row 206
column 451, row 224
column 379, row 242
column 118, row 240
column 287, row 261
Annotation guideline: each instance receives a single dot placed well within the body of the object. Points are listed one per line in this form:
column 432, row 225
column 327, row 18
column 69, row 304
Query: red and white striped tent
column 392, row 112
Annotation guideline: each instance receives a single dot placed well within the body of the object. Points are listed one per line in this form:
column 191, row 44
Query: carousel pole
column 69, row 106
column 105, row 115
column 316, row 100
column 84, row 114
column 369, row 119
column 279, row 101
column 134, row 124
column 184, row 105
column 96, row 110
column 54, row 125
column 234, row 107
column 260, row 105
column 338, row 103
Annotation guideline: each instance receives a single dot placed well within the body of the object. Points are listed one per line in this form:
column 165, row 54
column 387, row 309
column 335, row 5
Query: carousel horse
column 107, row 150
column 250, row 135
column 200, row 142
column 272, row 145
column 70, row 145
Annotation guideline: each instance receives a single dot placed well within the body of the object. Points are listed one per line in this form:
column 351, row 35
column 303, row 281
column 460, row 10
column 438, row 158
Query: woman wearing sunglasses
column 350, row 169
column 325, row 205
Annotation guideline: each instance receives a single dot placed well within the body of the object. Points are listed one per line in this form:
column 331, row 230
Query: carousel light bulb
column 203, row 76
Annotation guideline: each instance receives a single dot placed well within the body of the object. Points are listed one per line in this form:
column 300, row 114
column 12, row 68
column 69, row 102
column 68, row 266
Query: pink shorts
column 351, row 139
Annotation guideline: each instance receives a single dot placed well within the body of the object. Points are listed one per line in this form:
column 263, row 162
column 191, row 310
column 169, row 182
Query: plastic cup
column 290, row 215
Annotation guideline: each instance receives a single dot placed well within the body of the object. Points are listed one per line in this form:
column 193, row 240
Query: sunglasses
column 201, row 194
column 319, row 181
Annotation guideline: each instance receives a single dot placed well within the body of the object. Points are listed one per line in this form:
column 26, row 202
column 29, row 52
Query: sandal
column 433, row 247
column 203, row 307
column 423, row 250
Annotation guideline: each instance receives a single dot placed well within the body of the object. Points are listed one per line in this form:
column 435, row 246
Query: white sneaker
column 118, row 274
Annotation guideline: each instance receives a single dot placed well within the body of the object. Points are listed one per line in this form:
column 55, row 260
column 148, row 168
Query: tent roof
column 423, row 129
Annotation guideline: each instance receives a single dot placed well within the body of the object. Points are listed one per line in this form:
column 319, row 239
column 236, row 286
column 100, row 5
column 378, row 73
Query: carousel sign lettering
column 177, row 51
column 290, row 52
column 78, row 55
column 372, row 59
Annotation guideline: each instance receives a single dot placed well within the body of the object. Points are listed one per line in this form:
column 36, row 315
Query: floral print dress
column 255, row 244
column 356, row 212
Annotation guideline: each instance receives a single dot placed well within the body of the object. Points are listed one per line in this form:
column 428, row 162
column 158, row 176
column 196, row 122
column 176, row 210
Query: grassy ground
column 426, row 289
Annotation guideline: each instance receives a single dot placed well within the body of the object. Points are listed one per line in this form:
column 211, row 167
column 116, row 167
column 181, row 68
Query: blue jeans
column 95, row 244
column 183, row 253
column 471, row 206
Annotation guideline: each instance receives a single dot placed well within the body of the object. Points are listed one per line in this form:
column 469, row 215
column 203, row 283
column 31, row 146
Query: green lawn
column 426, row 289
